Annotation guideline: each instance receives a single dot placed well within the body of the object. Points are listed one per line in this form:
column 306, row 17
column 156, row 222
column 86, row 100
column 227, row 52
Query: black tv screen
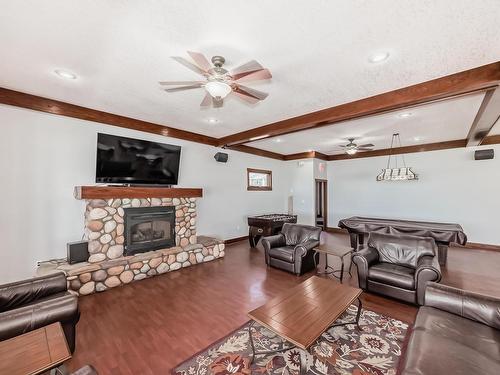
column 123, row 160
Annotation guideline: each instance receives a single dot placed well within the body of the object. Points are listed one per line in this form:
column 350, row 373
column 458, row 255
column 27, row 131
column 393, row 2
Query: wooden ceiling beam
column 257, row 151
column 403, row 150
column 477, row 79
column 306, row 155
column 56, row 107
column 486, row 117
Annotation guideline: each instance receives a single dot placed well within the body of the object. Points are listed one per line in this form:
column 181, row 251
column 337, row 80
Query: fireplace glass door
column 149, row 228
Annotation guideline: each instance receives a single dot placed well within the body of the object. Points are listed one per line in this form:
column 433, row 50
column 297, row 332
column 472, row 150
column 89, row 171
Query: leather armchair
column 455, row 332
column 292, row 249
column 398, row 266
column 30, row 304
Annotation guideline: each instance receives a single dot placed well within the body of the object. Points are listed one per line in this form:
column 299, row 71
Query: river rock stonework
column 87, row 278
column 104, row 224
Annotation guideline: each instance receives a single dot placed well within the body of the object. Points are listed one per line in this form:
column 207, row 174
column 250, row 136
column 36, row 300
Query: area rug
column 341, row 350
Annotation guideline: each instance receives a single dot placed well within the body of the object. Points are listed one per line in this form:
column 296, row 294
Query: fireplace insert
column 149, row 228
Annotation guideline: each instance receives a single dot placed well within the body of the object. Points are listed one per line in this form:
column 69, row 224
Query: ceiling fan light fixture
column 351, row 151
column 218, row 89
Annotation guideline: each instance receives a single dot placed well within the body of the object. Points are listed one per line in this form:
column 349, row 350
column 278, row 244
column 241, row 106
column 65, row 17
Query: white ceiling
column 436, row 122
column 317, row 51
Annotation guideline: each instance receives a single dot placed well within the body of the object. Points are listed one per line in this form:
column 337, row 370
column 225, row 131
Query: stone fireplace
column 134, row 238
column 107, row 221
column 148, row 228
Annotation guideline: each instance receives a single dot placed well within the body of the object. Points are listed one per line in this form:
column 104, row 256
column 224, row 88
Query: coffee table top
column 34, row 352
column 337, row 250
column 302, row 313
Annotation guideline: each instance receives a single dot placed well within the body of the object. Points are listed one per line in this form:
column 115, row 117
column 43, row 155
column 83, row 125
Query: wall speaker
column 484, row 154
column 78, row 251
column 221, row 157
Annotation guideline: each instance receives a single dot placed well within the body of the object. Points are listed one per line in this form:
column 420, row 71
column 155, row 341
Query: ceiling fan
column 219, row 82
column 351, row 148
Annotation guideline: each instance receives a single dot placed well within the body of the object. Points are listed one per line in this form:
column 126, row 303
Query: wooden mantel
column 109, row 192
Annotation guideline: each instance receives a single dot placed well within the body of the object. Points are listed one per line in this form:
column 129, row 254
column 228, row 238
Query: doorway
column 321, row 209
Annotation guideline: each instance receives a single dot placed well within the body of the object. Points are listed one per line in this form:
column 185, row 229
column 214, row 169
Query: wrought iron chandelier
column 403, row 173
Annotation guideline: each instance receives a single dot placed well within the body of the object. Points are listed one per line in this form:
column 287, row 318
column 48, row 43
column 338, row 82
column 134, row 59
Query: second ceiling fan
column 219, row 82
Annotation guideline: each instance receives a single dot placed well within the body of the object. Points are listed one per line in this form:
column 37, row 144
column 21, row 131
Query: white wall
column 44, row 156
column 453, row 187
column 301, row 187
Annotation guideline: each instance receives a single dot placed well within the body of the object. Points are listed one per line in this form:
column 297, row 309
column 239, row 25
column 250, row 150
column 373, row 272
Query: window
column 258, row 179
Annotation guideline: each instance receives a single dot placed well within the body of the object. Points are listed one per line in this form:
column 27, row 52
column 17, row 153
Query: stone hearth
column 87, row 278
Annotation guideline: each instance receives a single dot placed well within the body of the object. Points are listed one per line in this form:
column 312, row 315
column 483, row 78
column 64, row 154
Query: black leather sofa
column 292, row 249
column 30, row 304
column 455, row 332
column 398, row 266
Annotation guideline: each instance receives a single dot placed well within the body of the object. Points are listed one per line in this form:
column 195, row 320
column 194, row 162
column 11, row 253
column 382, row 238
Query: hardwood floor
column 152, row 325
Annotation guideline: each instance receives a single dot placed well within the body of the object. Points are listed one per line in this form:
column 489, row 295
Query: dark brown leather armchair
column 398, row 266
column 292, row 249
column 455, row 332
column 30, row 304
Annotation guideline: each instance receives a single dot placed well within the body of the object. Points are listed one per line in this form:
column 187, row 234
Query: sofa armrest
column 363, row 259
column 302, row 248
column 20, row 293
column 427, row 270
column 273, row 241
column 480, row 308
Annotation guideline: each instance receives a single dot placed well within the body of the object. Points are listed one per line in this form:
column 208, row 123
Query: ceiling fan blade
column 343, row 146
column 252, row 92
column 256, row 76
column 364, row 149
column 200, row 60
column 245, row 97
column 367, row 145
column 246, row 68
column 207, row 100
column 182, row 88
column 179, row 83
column 217, row 102
column 190, row 65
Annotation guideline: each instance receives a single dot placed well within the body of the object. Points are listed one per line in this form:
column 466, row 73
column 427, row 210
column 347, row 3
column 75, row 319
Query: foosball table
column 267, row 225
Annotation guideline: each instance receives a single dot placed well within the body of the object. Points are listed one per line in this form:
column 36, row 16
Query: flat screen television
column 123, row 160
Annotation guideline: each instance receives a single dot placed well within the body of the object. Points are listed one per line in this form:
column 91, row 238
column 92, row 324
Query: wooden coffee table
column 34, row 352
column 301, row 314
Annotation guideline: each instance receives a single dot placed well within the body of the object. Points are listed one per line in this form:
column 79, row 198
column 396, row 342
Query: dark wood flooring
column 150, row 326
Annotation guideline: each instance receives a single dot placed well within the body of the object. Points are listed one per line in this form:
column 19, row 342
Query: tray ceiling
column 318, row 54
column 435, row 122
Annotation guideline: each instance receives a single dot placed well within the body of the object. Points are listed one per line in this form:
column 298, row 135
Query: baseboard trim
column 236, row 239
column 480, row 246
column 337, row 230
column 469, row 245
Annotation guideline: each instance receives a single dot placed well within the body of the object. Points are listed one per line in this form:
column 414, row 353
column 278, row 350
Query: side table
column 338, row 251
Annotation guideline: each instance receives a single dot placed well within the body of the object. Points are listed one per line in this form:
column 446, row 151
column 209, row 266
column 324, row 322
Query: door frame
column 325, row 201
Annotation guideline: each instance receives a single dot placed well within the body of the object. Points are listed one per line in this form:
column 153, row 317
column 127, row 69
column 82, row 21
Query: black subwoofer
column 78, row 251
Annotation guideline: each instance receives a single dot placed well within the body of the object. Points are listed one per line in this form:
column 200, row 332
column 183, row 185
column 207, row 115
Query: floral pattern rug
column 340, row 350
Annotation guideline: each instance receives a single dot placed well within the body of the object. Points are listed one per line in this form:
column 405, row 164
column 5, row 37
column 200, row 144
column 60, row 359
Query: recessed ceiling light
column 65, row 74
column 379, row 57
column 212, row 120
column 278, row 140
column 417, row 138
column 405, row 114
